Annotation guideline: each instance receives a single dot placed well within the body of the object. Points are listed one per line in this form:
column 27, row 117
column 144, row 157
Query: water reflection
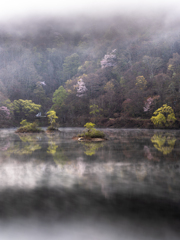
column 141, row 172
column 123, row 179
column 91, row 148
column 52, row 145
column 56, row 151
column 27, row 145
column 149, row 154
column 164, row 142
column 4, row 145
column 118, row 165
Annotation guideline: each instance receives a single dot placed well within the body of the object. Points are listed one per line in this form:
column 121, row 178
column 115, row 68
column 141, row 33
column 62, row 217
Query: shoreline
column 113, row 123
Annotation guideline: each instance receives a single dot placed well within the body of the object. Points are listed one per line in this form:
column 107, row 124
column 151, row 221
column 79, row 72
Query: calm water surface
column 52, row 187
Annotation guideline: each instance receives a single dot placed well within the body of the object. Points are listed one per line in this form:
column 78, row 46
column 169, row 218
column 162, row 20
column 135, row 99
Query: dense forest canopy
column 86, row 68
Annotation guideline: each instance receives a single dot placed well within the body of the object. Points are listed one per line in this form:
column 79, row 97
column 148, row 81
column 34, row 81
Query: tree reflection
column 92, row 147
column 60, row 157
column 58, row 154
column 52, row 145
column 52, row 148
column 164, row 142
column 27, row 145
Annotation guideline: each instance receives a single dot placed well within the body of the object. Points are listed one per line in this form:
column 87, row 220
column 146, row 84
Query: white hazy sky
column 12, row 9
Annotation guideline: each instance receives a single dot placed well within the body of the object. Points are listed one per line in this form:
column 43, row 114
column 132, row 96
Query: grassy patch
column 51, row 128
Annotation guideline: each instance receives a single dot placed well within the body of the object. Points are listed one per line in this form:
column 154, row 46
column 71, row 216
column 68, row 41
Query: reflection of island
column 58, row 154
column 164, row 142
column 27, row 146
column 60, row 157
column 52, row 148
column 52, row 145
column 92, row 147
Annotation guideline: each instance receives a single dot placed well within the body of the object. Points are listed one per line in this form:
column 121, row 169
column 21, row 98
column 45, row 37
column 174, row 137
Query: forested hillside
column 104, row 70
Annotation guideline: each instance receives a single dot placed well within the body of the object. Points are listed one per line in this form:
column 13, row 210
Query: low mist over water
column 54, row 187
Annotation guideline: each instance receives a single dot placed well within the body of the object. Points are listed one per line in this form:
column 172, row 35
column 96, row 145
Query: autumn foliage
column 164, row 116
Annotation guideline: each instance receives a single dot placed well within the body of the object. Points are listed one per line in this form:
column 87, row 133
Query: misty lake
column 52, row 187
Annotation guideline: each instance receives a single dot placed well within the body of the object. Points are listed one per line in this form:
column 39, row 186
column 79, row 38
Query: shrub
column 95, row 134
column 91, row 132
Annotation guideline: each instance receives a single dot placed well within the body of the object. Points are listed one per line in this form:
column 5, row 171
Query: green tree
column 152, row 64
column 19, row 74
column 87, row 67
column 141, row 82
column 39, row 96
column 174, row 65
column 59, row 97
column 164, row 116
column 70, row 66
column 95, row 110
column 25, row 108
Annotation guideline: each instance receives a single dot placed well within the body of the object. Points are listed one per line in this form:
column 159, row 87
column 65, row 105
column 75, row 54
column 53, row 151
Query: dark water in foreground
column 52, row 187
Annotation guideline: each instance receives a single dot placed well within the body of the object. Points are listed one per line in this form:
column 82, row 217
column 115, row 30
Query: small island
column 27, row 127
column 90, row 134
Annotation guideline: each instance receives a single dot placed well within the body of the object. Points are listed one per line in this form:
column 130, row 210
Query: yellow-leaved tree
column 52, row 119
column 141, row 82
column 164, row 116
